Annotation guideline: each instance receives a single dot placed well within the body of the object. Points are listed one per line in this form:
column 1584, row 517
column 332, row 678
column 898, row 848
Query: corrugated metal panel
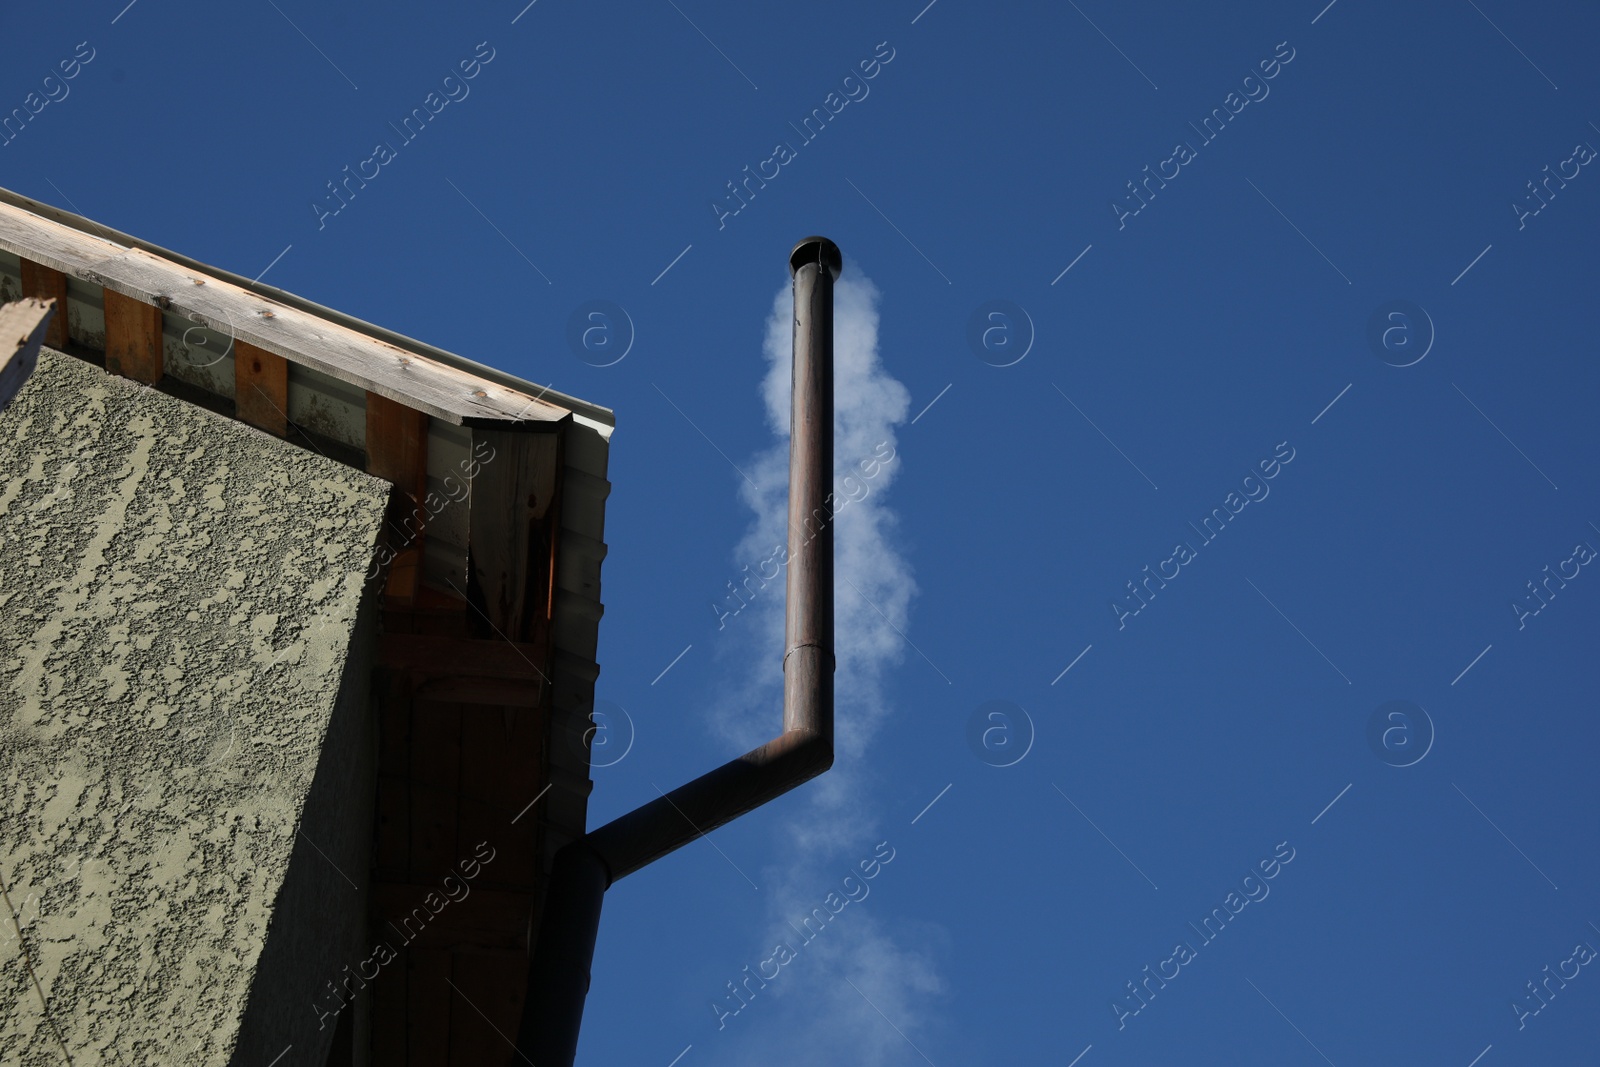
column 575, row 626
column 572, row 702
column 588, row 520
column 587, row 452
column 578, row 569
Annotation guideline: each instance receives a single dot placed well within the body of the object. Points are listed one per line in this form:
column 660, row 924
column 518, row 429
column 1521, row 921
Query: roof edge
column 603, row 419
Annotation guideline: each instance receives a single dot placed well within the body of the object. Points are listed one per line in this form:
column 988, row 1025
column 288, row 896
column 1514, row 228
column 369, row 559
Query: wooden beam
column 23, row 326
column 424, row 656
column 404, row 581
column 482, row 919
column 397, row 444
column 507, row 757
column 444, row 391
column 461, row 670
column 397, row 450
column 514, row 494
column 430, row 1006
column 392, row 845
column 389, row 1006
column 432, row 612
column 133, row 338
column 260, row 388
column 435, row 773
column 46, row 283
column 493, row 982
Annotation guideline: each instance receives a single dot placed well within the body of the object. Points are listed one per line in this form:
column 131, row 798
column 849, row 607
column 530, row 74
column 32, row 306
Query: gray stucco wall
column 183, row 622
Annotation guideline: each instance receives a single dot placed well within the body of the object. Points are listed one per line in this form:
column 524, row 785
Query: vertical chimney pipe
column 559, row 971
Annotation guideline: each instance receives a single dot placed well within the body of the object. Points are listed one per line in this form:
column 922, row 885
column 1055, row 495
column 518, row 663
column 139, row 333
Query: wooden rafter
column 261, row 388
column 47, row 283
column 133, row 338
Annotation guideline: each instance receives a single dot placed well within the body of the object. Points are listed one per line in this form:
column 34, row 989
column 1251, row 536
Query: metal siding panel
column 86, row 314
column 583, row 504
column 198, row 355
column 578, row 565
column 587, row 449
column 575, row 626
column 327, row 406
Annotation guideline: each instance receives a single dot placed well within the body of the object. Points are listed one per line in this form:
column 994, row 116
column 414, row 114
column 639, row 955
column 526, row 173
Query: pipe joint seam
column 810, row 644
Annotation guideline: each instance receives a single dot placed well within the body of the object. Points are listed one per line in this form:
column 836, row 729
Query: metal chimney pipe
column 558, row 977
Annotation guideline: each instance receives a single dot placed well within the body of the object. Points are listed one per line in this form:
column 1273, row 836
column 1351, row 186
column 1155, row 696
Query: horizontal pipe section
column 674, row 819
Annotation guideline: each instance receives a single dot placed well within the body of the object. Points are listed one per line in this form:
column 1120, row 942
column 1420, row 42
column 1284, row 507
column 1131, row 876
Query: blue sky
column 1361, row 162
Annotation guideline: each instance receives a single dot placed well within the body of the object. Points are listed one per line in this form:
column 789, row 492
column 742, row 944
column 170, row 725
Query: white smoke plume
column 837, row 826
column 868, row 570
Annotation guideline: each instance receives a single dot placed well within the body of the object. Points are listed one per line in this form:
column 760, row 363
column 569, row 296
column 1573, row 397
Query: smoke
column 810, row 1011
column 873, row 585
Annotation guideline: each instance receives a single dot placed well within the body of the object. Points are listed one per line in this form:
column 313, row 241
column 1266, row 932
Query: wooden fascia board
column 440, row 390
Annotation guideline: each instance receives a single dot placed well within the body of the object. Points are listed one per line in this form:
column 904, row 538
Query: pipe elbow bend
column 813, row 750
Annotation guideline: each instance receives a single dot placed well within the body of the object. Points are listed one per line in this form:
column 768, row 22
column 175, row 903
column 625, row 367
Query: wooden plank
column 542, row 586
column 391, row 860
column 424, row 656
column 466, row 670
column 493, row 982
column 432, row 612
column 431, row 1007
column 435, row 786
column 342, row 1051
column 397, row 444
column 397, row 450
column 514, row 535
column 392, row 849
column 133, row 338
column 46, row 283
column 53, row 244
column 261, row 388
column 506, row 753
column 514, row 491
column 481, row 920
column 404, row 580
column 389, row 1008
column 441, row 390
column 23, row 327
column 487, row 692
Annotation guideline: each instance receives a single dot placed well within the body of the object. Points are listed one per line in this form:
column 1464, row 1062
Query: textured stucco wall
column 180, row 598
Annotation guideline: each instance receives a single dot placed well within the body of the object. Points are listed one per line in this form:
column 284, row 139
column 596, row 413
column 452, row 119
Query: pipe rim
column 816, row 250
